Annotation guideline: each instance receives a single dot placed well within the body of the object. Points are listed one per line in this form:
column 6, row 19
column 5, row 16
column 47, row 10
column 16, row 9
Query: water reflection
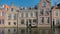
column 29, row 30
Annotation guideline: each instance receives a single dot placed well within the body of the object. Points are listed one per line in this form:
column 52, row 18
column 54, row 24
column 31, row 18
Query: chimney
column 5, row 7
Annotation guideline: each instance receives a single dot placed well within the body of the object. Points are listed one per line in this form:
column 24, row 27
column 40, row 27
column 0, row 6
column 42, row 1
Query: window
column 44, row 4
column 42, row 20
column 22, row 21
column 56, row 13
column 41, row 11
column 31, row 14
column 9, row 16
column 29, row 20
column 22, row 15
column 9, row 23
column 47, row 19
column 47, row 11
column 35, row 14
column 2, row 21
column 14, row 23
column 15, row 16
column 57, row 21
column 12, row 9
column 26, row 14
column 2, row 13
column 35, row 20
column 19, row 14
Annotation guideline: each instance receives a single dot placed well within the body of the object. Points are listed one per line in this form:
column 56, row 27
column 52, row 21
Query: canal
column 29, row 30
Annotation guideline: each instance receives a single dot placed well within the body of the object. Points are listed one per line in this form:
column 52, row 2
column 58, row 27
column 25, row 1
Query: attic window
column 12, row 9
column 44, row 4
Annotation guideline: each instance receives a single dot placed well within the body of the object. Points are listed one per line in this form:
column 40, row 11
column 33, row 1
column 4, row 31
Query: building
column 44, row 13
column 2, row 16
column 55, row 15
column 27, row 17
column 11, row 16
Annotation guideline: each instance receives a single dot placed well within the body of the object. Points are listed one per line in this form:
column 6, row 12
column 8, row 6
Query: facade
column 27, row 17
column 55, row 16
column 2, row 17
column 44, row 14
column 11, row 17
column 41, row 16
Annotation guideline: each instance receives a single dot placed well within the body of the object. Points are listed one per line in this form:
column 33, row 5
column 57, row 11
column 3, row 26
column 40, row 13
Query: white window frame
column 55, row 12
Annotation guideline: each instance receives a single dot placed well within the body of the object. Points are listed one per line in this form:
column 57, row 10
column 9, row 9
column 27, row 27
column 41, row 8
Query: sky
column 25, row 3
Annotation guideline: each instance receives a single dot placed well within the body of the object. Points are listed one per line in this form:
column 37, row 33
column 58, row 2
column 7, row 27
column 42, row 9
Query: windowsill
column 41, row 23
column 47, row 15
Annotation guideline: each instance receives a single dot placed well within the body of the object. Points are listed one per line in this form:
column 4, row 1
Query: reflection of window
column 8, row 30
column 41, row 11
column 22, row 31
column 46, row 31
column 56, row 13
column 42, row 20
column 44, row 4
column 1, row 31
column 14, row 30
column 41, row 32
column 22, row 21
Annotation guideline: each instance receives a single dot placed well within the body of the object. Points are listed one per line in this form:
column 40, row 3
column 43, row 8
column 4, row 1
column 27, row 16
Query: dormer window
column 47, row 11
column 44, row 4
column 42, row 11
column 12, row 9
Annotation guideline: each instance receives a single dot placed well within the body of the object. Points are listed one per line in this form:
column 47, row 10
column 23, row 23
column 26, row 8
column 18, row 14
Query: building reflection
column 29, row 31
column 10, row 31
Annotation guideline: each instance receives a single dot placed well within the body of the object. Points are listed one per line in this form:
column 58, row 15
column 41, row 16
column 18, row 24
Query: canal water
column 29, row 30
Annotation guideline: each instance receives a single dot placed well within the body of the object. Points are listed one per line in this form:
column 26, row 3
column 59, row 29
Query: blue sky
column 25, row 3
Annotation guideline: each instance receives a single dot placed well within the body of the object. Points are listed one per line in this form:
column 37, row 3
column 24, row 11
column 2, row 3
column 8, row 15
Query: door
column 28, row 23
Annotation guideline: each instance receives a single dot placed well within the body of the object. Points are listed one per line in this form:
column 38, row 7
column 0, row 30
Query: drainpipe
column 51, row 18
column 17, row 20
